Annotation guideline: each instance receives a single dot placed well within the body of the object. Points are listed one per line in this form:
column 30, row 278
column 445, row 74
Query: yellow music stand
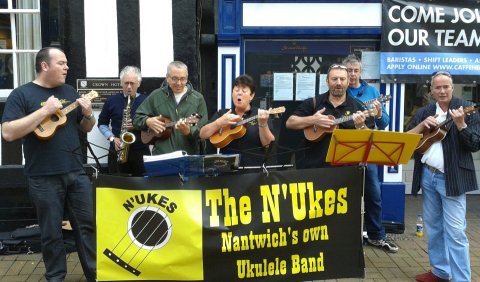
column 349, row 146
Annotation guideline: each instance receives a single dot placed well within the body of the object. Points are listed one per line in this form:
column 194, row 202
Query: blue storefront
column 262, row 38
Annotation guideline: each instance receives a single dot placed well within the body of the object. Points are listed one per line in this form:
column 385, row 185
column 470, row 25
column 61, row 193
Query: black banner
column 420, row 38
column 287, row 226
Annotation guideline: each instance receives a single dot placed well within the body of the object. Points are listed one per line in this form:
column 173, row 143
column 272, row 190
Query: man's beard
column 337, row 92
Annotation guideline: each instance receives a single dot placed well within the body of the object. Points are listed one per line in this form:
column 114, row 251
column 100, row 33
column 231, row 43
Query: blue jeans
column 51, row 195
column 445, row 225
column 373, row 204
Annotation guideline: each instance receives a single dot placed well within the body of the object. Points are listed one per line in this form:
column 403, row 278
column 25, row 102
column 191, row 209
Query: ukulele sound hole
column 54, row 118
column 150, row 229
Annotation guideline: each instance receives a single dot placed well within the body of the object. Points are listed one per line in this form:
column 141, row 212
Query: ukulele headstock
column 384, row 98
column 276, row 111
column 193, row 119
column 91, row 95
column 468, row 110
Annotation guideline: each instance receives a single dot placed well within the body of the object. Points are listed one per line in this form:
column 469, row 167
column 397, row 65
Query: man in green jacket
column 172, row 115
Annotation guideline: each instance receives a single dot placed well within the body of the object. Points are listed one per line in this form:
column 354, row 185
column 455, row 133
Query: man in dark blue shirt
column 115, row 122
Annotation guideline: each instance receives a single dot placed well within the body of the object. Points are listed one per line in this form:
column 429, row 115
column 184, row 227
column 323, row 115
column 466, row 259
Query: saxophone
column 126, row 137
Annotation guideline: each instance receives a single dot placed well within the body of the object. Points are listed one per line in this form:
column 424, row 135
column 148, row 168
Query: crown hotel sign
column 104, row 87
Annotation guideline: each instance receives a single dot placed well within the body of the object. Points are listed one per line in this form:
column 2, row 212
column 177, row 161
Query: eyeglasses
column 177, row 79
column 445, row 73
column 335, row 66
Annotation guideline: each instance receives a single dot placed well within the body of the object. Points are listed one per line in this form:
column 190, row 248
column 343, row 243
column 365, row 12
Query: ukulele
column 438, row 132
column 49, row 125
column 315, row 134
column 149, row 137
column 227, row 134
column 381, row 99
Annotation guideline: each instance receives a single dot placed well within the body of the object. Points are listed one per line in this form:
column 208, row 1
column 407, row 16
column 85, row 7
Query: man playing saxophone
column 115, row 122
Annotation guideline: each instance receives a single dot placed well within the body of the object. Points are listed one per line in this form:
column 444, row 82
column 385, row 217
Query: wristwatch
column 111, row 138
column 89, row 117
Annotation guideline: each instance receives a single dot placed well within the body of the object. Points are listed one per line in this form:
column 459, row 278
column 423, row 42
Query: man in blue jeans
column 445, row 172
column 53, row 164
column 364, row 92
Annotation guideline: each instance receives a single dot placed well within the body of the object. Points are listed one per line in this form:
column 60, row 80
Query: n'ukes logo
column 149, row 228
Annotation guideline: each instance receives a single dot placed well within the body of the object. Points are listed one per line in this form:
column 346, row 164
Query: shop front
column 279, row 43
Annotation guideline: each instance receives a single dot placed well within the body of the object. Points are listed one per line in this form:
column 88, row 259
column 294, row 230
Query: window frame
column 15, row 51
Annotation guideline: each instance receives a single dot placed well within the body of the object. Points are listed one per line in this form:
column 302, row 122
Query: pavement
column 411, row 259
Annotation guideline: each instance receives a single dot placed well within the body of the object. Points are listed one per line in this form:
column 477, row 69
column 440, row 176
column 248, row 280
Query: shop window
column 264, row 58
column 20, row 39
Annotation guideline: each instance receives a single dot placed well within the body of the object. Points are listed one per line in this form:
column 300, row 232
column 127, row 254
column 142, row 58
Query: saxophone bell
column 127, row 138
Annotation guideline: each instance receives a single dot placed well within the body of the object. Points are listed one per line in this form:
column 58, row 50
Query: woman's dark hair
column 245, row 80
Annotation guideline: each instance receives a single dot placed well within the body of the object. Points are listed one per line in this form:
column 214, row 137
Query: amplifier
column 16, row 209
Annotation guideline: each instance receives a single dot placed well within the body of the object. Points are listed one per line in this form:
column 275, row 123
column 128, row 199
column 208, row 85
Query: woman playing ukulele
column 244, row 130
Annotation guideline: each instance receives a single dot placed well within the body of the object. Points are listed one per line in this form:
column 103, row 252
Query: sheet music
column 168, row 156
column 180, row 163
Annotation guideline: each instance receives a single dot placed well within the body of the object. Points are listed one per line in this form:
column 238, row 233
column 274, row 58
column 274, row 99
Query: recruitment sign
column 285, row 226
column 423, row 37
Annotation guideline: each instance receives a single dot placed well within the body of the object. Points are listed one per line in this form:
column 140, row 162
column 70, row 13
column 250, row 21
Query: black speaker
column 16, row 209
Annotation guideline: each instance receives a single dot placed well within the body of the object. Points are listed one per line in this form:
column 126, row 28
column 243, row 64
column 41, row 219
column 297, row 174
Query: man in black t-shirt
column 53, row 163
column 320, row 112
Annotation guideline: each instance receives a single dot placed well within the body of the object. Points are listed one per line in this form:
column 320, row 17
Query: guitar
column 227, row 134
column 149, row 137
column 438, row 132
column 49, row 125
column 315, row 134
